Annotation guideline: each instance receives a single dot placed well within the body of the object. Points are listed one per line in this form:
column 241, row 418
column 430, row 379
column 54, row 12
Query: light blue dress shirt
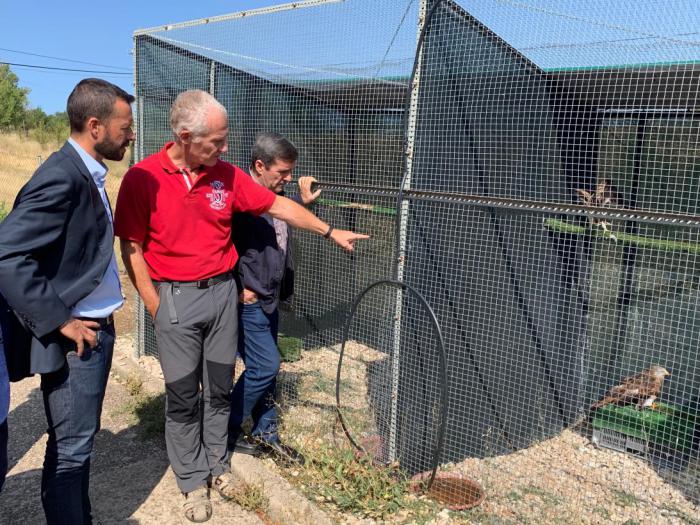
column 107, row 297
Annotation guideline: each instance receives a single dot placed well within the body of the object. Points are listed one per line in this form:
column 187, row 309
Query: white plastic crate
column 607, row 438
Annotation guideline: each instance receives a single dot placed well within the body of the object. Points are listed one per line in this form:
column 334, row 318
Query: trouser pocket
column 166, row 305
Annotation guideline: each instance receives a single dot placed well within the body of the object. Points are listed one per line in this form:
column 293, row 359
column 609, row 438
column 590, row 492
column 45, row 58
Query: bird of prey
column 642, row 388
column 605, row 195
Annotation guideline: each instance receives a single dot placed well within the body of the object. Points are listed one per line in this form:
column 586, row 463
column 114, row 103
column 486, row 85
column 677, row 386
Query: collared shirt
column 282, row 233
column 184, row 227
column 107, row 297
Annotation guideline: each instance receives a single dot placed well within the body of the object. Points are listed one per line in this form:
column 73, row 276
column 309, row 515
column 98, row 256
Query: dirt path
column 130, row 482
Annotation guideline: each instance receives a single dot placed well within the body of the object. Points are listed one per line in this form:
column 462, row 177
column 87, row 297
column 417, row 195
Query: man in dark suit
column 4, row 407
column 59, row 275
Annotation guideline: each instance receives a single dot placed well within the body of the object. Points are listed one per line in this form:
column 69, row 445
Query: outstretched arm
column 299, row 217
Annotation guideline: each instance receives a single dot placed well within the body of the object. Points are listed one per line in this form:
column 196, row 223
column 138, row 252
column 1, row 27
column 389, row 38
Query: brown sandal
column 197, row 507
column 228, row 486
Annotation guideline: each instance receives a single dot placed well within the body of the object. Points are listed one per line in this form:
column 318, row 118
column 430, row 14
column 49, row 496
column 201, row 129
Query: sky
column 554, row 34
column 88, row 31
column 571, row 34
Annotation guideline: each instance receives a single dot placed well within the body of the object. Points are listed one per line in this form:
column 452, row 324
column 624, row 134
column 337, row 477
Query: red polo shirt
column 185, row 232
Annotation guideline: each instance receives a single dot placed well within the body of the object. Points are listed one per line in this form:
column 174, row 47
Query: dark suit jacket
column 55, row 246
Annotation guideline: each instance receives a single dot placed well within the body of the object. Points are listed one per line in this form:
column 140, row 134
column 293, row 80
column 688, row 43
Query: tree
column 34, row 118
column 46, row 128
column 58, row 126
column 13, row 100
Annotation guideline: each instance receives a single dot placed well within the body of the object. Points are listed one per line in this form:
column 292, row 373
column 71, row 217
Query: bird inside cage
column 604, row 196
column 642, row 389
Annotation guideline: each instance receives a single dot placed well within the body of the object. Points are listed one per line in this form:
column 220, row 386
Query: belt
column 203, row 283
column 105, row 322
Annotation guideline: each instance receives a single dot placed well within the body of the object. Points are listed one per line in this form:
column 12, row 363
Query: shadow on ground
column 126, row 466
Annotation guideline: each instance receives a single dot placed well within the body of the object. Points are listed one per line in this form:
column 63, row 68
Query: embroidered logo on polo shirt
column 217, row 197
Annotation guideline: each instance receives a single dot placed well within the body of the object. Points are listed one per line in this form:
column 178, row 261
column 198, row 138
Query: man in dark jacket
column 4, row 407
column 59, row 275
column 266, row 271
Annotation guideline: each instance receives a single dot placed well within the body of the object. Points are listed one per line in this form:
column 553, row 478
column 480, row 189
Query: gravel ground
column 131, row 481
column 561, row 480
column 565, row 479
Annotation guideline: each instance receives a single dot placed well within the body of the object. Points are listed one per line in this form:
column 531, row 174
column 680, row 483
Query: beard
column 111, row 150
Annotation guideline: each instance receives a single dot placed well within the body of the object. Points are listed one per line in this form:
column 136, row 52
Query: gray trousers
column 196, row 334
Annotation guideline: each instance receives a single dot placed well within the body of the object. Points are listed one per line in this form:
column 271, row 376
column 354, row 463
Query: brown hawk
column 605, row 195
column 642, row 388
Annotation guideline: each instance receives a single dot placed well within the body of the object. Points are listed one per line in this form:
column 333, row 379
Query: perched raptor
column 605, row 195
column 642, row 388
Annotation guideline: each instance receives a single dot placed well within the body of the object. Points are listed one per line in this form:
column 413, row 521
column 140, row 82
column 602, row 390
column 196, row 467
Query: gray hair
column 190, row 110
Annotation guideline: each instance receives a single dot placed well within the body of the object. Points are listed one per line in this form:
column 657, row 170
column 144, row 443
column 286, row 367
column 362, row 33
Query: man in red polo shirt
column 173, row 217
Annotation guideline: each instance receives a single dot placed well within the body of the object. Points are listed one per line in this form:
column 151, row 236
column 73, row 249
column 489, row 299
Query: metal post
column 138, row 149
column 233, row 16
column 401, row 242
column 140, row 339
column 212, row 77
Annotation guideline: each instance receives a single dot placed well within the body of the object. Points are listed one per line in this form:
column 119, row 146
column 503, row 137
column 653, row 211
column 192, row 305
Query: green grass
column 317, row 382
column 150, row 414
column 624, row 498
column 252, row 498
column 335, row 476
column 146, row 411
column 514, row 496
column 290, row 348
column 546, row 497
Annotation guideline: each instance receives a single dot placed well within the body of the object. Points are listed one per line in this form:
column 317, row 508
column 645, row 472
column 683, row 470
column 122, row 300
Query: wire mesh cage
column 531, row 169
column 387, row 410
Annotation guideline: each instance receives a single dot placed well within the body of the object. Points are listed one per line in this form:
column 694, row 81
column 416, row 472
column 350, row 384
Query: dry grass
column 25, row 146
column 252, row 498
column 20, row 156
column 344, row 483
